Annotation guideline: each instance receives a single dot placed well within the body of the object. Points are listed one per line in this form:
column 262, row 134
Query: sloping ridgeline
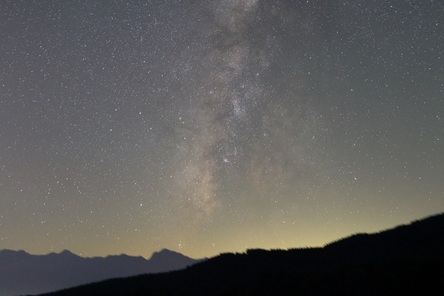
column 406, row 260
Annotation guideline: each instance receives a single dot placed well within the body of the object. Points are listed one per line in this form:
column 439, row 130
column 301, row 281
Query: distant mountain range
column 406, row 260
column 22, row 273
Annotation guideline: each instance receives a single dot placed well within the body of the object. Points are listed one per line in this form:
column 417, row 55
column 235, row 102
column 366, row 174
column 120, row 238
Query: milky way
column 236, row 130
column 213, row 126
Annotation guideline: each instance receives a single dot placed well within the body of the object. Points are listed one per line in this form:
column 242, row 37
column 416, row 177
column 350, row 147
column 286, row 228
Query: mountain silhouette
column 167, row 260
column 22, row 273
column 406, row 260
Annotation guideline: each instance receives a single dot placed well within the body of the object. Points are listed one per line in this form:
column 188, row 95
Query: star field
column 214, row 126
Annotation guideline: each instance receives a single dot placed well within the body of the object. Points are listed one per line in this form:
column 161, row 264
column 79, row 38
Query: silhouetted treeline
column 407, row 260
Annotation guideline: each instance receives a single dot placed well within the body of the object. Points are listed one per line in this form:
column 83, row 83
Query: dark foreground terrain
column 406, row 260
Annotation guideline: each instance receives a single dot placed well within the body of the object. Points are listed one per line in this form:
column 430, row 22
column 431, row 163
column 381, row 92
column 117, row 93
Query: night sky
column 218, row 125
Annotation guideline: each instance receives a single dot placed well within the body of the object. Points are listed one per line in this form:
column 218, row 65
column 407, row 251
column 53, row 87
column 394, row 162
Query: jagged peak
column 67, row 253
column 165, row 252
column 8, row 251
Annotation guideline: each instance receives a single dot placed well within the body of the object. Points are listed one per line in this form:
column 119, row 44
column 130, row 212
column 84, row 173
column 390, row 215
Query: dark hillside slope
column 420, row 237
column 407, row 260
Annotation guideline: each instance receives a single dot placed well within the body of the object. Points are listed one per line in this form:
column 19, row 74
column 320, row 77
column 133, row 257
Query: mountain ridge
column 24, row 273
column 404, row 260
